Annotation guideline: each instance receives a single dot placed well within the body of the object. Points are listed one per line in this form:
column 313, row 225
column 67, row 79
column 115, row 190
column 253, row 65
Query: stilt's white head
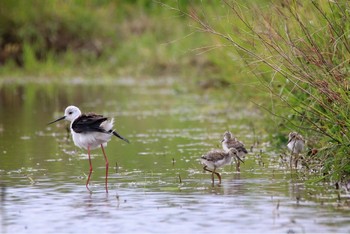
column 71, row 113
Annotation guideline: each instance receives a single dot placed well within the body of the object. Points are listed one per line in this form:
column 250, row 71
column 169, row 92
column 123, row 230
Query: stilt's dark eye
column 70, row 112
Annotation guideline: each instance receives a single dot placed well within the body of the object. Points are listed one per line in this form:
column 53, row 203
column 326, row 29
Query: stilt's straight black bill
column 56, row 120
column 119, row 136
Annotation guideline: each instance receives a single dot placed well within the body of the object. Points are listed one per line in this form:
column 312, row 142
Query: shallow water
column 156, row 183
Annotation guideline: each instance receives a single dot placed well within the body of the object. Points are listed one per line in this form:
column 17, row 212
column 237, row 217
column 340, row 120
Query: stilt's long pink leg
column 88, row 180
column 107, row 163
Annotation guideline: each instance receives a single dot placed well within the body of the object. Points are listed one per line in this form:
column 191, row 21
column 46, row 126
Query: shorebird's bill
column 239, row 159
column 62, row 118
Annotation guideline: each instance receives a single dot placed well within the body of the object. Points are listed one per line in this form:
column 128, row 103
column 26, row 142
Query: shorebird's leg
column 205, row 168
column 292, row 157
column 104, row 154
column 238, row 165
column 296, row 161
column 218, row 175
column 212, row 174
column 212, row 178
column 88, row 180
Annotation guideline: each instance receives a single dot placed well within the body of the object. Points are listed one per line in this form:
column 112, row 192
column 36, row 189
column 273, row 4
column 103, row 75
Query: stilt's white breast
column 92, row 139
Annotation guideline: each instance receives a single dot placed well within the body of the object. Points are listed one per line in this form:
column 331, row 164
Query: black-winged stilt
column 90, row 131
column 218, row 158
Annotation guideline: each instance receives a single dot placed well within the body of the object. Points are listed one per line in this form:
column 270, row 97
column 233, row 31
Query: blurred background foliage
column 56, row 38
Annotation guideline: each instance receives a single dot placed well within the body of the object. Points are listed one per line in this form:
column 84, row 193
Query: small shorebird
column 296, row 144
column 229, row 142
column 218, row 158
column 90, row 131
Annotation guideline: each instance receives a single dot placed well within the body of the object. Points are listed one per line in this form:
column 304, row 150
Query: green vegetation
column 96, row 38
column 300, row 52
column 294, row 53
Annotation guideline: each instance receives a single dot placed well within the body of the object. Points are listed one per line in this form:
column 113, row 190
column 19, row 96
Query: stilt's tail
column 119, row 136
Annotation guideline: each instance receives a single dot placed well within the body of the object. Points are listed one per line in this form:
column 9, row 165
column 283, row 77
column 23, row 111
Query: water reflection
column 156, row 182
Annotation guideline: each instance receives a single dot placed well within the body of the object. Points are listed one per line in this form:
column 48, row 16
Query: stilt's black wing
column 88, row 123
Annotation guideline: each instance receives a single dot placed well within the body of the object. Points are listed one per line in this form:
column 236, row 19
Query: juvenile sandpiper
column 230, row 142
column 296, row 144
column 218, row 158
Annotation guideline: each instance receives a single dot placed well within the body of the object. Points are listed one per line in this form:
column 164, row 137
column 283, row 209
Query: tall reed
column 300, row 52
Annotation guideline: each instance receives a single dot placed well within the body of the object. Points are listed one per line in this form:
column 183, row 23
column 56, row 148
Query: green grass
column 300, row 52
column 93, row 38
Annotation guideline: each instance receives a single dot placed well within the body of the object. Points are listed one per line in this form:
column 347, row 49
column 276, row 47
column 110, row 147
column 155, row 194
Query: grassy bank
column 93, row 38
column 300, row 52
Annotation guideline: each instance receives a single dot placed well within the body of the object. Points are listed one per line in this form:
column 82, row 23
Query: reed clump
column 300, row 53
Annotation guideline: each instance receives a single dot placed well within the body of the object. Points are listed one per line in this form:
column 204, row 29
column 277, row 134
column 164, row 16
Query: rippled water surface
column 156, row 183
